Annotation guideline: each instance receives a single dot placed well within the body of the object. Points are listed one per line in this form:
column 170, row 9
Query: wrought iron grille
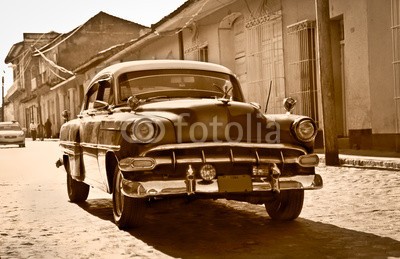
column 265, row 65
column 302, row 66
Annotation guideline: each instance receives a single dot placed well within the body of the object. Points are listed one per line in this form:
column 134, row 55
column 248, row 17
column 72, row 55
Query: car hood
column 211, row 120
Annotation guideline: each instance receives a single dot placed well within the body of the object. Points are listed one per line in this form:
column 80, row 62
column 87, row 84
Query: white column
column 71, row 94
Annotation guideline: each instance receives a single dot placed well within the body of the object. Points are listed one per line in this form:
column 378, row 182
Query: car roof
column 139, row 65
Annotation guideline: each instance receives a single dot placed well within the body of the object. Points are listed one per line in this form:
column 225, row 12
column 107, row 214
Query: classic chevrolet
column 154, row 130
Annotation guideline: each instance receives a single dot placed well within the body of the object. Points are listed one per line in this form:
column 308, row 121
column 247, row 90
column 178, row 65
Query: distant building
column 21, row 94
column 45, row 82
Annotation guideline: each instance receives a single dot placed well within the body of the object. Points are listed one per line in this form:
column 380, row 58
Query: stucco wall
column 368, row 79
column 383, row 112
column 356, row 63
column 164, row 48
column 9, row 112
column 295, row 11
column 99, row 33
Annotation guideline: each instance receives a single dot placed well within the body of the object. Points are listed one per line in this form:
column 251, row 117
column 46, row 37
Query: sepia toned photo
column 200, row 129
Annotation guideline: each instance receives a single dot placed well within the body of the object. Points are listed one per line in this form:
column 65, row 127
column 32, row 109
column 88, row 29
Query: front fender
column 285, row 122
column 71, row 149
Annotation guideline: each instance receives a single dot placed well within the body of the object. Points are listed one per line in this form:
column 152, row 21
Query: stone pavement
column 366, row 159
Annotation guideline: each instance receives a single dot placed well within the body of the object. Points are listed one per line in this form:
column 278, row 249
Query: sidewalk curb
column 366, row 162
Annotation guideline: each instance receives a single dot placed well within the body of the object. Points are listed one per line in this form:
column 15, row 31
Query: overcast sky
column 39, row 16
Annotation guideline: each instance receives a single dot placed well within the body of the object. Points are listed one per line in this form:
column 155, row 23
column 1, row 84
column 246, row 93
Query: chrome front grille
column 224, row 153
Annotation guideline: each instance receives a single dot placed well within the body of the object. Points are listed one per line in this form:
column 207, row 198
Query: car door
column 94, row 112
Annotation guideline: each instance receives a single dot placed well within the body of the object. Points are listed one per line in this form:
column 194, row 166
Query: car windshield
column 9, row 127
column 178, row 83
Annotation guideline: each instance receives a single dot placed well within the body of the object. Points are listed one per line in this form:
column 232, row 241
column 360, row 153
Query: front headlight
column 305, row 130
column 143, row 130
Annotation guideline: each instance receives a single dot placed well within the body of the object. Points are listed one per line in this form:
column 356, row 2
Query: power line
column 61, row 41
column 62, row 69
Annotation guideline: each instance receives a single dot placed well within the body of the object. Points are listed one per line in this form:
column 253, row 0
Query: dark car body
column 152, row 130
column 11, row 133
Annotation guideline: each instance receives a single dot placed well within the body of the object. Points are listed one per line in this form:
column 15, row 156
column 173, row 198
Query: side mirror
column 289, row 103
column 134, row 102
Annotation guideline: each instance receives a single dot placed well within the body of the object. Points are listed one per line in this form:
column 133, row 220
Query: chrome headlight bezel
column 143, row 131
column 304, row 129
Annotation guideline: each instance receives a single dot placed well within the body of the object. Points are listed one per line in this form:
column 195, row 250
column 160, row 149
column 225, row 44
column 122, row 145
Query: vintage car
column 11, row 134
column 154, row 130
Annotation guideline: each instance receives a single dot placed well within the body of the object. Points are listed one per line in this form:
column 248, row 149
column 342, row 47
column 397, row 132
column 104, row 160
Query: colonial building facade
column 45, row 63
column 271, row 46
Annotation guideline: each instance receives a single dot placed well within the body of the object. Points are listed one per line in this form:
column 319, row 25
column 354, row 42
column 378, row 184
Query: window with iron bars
column 265, row 67
column 302, row 66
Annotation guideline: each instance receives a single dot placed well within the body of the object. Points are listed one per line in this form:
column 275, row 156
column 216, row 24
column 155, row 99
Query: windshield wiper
column 225, row 89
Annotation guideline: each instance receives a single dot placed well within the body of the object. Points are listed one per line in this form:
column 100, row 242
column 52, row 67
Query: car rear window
column 10, row 127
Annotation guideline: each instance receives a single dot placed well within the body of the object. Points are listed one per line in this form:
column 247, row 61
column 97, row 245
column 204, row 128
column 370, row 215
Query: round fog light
column 208, row 172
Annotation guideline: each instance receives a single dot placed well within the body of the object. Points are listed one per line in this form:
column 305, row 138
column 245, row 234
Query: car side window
column 91, row 96
column 99, row 91
column 105, row 92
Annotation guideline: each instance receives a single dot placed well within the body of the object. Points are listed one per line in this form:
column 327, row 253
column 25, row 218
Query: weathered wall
column 97, row 34
column 381, row 77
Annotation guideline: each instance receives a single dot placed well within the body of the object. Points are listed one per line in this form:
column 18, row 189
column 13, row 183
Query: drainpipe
column 181, row 52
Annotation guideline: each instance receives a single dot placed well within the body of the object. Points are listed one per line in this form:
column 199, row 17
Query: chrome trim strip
column 69, row 143
column 72, row 144
column 100, row 146
column 88, row 145
column 108, row 147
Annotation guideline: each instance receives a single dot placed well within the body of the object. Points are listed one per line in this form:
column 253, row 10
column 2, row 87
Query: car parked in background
column 11, row 133
column 163, row 129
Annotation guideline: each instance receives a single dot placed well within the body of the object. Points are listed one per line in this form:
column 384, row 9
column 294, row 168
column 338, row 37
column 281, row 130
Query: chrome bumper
column 215, row 187
column 14, row 141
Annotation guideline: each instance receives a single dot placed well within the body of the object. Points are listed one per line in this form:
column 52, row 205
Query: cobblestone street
column 355, row 215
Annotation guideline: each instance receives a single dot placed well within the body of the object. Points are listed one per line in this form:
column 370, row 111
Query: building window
column 302, row 66
column 33, row 79
column 396, row 57
column 199, row 52
column 203, row 54
column 265, row 67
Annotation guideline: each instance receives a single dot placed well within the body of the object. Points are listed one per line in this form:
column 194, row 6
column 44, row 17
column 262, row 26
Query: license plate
column 235, row 183
column 10, row 136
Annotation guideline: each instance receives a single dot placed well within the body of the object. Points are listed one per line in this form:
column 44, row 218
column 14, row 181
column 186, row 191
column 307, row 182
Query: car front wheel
column 128, row 212
column 287, row 205
column 77, row 191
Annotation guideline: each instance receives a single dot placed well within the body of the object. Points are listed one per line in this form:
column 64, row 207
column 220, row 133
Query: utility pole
column 327, row 86
column 2, row 96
